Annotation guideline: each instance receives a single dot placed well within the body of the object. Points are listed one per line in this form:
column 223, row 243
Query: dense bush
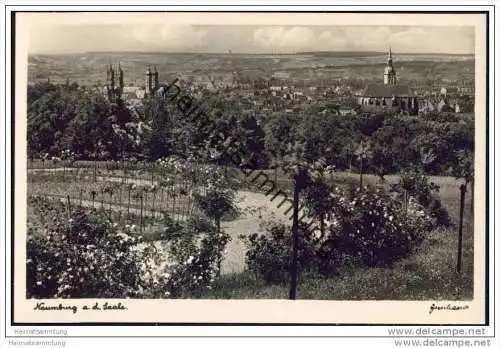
column 367, row 227
column 217, row 203
column 374, row 228
column 81, row 254
column 417, row 185
column 269, row 254
column 194, row 253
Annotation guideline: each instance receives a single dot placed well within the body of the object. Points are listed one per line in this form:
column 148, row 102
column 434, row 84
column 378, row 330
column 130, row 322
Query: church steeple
column 389, row 71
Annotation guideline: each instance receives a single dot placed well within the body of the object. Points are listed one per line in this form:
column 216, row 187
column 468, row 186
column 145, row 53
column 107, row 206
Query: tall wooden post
column 173, row 199
column 128, row 202
column 295, row 231
column 463, row 188
column 68, row 207
column 361, row 174
column 153, row 208
column 142, row 206
column 161, row 198
column 95, row 166
column 405, row 195
column 472, row 198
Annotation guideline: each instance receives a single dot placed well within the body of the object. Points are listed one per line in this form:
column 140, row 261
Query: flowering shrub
column 366, row 227
column 417, row 185
column 214, row 197
column 81, row 254
column 269, row 254
column 68, row 155
column 87, row 255
column 217, row 203
column 191, row 170
column 194, row 252
column 374, row 228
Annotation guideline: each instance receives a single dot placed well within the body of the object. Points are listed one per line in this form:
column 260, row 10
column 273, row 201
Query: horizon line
column 249, row 53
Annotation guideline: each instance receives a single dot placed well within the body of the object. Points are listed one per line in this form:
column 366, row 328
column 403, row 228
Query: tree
column 304, row 172
column 364, row 153
column 215, row 199
column 295, row 164
column 382, row 161
column 464, row 169
column 159, row 142
column 317, row 197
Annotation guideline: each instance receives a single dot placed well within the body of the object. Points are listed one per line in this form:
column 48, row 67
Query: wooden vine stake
column 463, row 189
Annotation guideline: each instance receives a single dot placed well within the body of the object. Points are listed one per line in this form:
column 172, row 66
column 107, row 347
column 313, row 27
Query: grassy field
column 429, row 273
column 448, row 186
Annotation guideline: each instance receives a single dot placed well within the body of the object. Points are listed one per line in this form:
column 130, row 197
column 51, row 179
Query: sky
column 249, row 38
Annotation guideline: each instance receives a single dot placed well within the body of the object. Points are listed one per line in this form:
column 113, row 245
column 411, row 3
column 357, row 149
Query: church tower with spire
column 389, row 71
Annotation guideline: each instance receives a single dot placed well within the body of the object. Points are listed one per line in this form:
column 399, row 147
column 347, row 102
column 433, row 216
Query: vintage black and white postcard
column 258, row 168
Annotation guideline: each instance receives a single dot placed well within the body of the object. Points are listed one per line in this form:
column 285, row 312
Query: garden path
column 255, row 208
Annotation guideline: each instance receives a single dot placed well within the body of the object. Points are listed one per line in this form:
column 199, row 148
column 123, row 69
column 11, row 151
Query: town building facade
column 390, row 94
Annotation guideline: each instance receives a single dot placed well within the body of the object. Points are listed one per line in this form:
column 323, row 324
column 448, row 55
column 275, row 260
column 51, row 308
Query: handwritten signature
column 448, row 307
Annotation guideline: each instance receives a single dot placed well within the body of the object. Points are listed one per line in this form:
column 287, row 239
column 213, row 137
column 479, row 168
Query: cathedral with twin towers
column 115, row 87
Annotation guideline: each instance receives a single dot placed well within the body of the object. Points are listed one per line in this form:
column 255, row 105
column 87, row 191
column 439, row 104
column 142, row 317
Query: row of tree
column 75, row 118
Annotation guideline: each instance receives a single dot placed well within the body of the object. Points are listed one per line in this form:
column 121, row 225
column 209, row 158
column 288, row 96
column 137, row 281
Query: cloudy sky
column 250, row 38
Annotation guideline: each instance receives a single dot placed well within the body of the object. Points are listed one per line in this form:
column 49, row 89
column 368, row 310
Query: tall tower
column 149, row 81
column 389, row 71
column 112, row 77
column 156, row 80
column 108, row 75
column 114, row 83
column 121, row 83
column 110, row 82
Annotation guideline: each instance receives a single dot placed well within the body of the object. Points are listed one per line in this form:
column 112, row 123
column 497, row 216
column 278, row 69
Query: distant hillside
column 378, row 53
column 343, row 53
column 90, row 68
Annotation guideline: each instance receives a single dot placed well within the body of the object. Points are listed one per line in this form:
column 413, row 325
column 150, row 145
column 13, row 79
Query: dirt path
column 255, row 207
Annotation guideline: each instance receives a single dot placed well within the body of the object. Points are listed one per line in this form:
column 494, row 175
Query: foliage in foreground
column 194, row 253
column 81, row 253
column 416, row 184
